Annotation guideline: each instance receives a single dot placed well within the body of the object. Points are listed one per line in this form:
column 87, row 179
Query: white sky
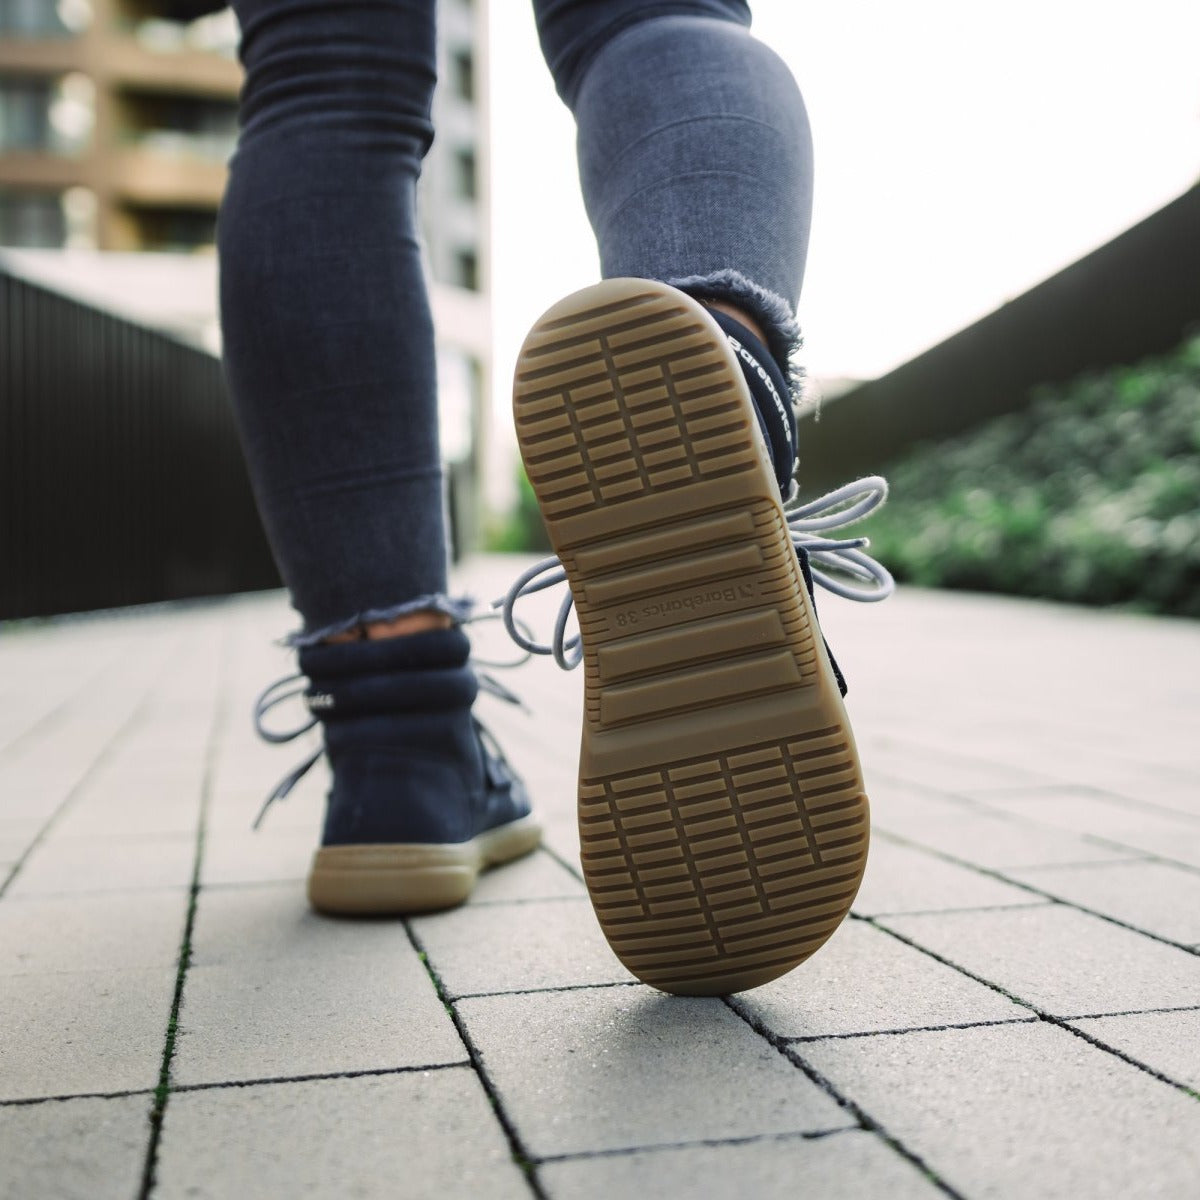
column 964, row 151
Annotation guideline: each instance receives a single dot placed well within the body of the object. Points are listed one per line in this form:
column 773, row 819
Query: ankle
column 740, row 315
column 409, row 623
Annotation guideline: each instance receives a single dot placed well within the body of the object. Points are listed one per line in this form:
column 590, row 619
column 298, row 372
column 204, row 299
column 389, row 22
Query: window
column 458, row 388
column 465, row 183
column 466, row 269
column 44, row 18
column 25, row 114
column 188, row 125
column 32, row 219
column 46, row 113
column 176, row 228
column 462, row 73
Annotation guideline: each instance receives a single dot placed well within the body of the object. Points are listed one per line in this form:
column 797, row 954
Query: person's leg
column 328, row 337
column 329, row 356
column 695, row 154
column 723, row 824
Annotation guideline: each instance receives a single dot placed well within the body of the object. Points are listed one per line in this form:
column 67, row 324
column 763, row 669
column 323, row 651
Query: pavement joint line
column 1143, row 855
column 941, row 912
column 1095, row 864
column 29, row 1101
column 520, row 1152
column 517, row 901
column 1133, row 855
column 864, row 1119
column 1049, row 1018
column 1006, row 814
column 1117, row 798
column 923, row 788
column 570, row 867
column 1029, row 887
column 106, row 751
column 247, row 884
column 1049, row 783
column 368, row 1073
column 92, row 893
column 162, row 1093
column 1136, row 1012
column 541, row 991
column 869, row 1033
column 699, row 1143
column 899, row 839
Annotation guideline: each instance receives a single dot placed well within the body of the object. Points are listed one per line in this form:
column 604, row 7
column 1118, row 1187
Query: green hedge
column 1091, row 495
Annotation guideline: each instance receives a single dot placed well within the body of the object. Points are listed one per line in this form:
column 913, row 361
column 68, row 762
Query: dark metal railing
column 121, row 478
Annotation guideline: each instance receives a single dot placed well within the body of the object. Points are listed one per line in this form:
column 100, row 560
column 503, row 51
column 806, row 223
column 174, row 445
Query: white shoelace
column 839, row 565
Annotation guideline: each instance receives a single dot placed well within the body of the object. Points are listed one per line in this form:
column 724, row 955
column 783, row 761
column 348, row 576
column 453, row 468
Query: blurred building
column 116, row 125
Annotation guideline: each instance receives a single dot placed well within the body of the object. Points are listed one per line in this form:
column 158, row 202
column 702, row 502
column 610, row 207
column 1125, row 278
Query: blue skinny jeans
column 696, row 164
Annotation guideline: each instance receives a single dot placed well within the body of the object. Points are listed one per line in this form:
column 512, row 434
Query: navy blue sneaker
column 422, row 798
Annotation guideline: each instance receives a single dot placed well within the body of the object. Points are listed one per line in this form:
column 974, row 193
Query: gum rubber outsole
column 722, row 819
column 392, row 880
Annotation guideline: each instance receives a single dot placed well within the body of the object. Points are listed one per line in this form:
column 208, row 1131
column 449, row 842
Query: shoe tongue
column 770, row 392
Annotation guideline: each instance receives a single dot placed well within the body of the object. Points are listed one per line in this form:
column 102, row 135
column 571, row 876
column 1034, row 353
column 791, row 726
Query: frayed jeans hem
column 458, row 608
column 768, row 308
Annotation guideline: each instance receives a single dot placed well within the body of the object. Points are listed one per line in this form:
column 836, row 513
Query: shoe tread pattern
column 722, row 818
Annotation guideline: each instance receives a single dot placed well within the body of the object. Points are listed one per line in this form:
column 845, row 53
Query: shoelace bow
column 838, row 564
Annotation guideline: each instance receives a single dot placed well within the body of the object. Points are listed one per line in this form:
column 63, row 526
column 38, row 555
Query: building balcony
column 121, row 59
column 141, row 175
column 44, row 169
column 129, row 63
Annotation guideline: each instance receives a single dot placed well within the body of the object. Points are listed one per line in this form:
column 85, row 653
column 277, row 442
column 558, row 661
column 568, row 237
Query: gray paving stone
column 128, row 816
column 1084, row 809
column 1063, row 961
column 863, row 981
column 88, row 1031
column 850, row 1165
column 948, row 771
column 560, row 825
column 1142, row 780
column 273, row 921
column 1157, row 897
column 518, row 947
column 537, row 876
column 902, row 879
column 104, row 932
column 278, row 856
column 416, row 1134
column 15, row 838
column 243, row 781
column 622, row 1068
column 1021, row 1110
column 1169, row 1042
column 328, row 1011
column 1177, row 845
column 62, row 866
column 74, row 1149
column 1139, row 828
column 979, row 837
column 33, row 793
